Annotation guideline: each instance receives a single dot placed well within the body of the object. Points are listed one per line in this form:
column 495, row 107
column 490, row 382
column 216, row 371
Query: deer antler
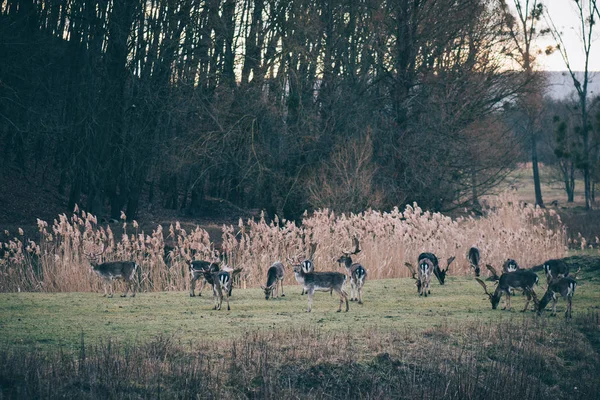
column 311, row 250
column 449, row 262
column 576, row 273
column 356, row 244
column 493, row 271
column 412, row 270
column 484, row 286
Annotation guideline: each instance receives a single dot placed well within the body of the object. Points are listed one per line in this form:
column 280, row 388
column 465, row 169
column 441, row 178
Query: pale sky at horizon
column 565, row 16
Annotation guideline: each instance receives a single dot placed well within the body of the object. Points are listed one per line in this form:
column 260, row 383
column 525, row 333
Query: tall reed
column 57, row 262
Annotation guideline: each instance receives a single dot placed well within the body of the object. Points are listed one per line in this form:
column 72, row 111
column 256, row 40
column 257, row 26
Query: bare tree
column 586, row 10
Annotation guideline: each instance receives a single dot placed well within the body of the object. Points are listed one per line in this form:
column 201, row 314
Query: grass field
column 49, row 320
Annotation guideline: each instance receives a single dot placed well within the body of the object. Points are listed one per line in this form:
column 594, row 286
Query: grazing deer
column 109, row 271
column 522, row 279
column 274, row 279
column 358, row 274
column 564, row 287
column 510, row 265
column 221, row 283
column 473, row 256
column 322, row 281
column 555, row 269
column 197, row 270
column 440, row 274
column 422, row 276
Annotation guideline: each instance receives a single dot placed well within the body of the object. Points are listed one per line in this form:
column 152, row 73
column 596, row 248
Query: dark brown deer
column 555, row 269
column 322, row 281
column 358, row 274
column 197, row 270
column 440, row 274
column 112, row 270
column 565, row 287
column 510, row 265
column 275, row 276
column 473, row 256
column 521, row 279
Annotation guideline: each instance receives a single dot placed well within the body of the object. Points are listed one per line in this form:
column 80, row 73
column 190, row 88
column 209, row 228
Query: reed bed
column 55, row 261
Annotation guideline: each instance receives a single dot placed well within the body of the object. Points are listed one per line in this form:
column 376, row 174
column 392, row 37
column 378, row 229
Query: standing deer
column 109, row 271
column 510, row 265
column 221, row 283
column 440, row 274
column 274, row 279
column 522, row 279
column 474, row 257
column 565, row 287
column 358, row 274
column 307, row 265
column 322, row 281
column 422, row 275
column 555, row 269
column 197, row 270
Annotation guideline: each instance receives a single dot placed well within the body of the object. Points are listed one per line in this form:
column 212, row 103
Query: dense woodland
column 272, row 104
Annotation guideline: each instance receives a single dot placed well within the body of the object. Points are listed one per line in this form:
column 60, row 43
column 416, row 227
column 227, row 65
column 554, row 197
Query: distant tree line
column 272, row 104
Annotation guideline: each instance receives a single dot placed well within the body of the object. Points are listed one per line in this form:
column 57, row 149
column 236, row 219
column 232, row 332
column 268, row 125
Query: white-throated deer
column 473, row 256
column 521, row 279
column 275, row 276
column 306, row 265
column 565, row 287
column 358, row 273
column 322, row 281
column 113, row 270
column 439, row 273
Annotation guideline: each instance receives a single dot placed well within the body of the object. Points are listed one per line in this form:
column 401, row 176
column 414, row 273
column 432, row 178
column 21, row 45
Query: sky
column 565, row 16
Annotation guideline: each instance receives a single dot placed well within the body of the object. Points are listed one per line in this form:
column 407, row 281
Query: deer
column 358, row 273
column 565, row 287
column 440, row 274
column 307, row 265
column 275, row 276
column 422, row 275
column 221, row 283
column 522, row 279
column 473, row 256
column 555, row 269
column 197, row 270
column 111, row 270
column 510, row 265
column 322, row 281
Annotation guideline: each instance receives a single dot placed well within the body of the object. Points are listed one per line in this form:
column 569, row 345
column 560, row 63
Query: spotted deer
column 422, row 275
column 321, row 281
column 113, row 270
column 275, row 276
column 440, row 274
column 565, row 287
column 474, row 256
column 521, row 279
column 358, row 273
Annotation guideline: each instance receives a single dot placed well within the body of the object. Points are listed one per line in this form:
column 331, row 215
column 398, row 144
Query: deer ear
column 263, row 287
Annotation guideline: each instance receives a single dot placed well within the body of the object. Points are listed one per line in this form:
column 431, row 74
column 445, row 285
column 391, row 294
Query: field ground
column 48, row 320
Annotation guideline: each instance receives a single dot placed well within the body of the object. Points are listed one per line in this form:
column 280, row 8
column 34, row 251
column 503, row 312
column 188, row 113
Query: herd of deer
column 559, row 283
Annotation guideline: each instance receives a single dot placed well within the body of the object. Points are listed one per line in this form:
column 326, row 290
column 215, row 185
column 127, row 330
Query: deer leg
column 528, row 300
column 282, row 294
column 554, row 301
column 310, row 297
column 112, row 289
column 192, row 287
column 227, row 299
column 202, row 283
column 568, row 313
column 360, row 286
column 126, row 289
column 215, row 297
column 343, row 297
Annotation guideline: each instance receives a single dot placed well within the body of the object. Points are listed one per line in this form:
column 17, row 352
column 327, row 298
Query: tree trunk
column 536, row 172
